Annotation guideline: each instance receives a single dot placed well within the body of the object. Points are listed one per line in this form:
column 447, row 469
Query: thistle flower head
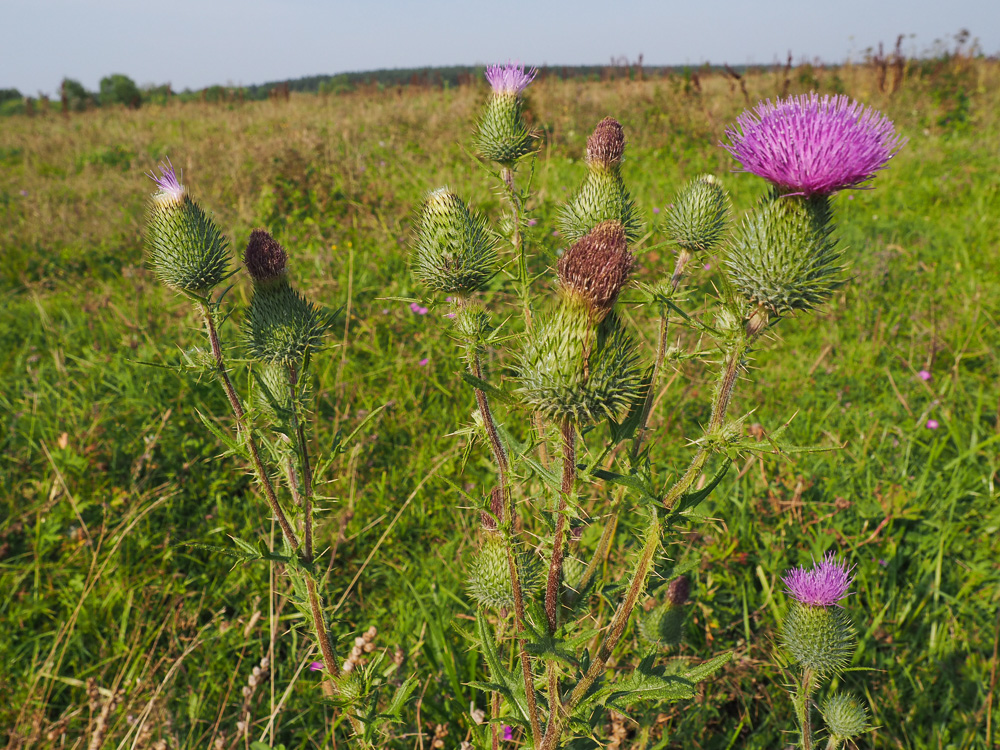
column 822, row 585
column 596, row 268
column 455, row 251
column 845, row 716
column 812, row 145
column 606, row 145
column 696, row 220
column 511, row 78
column 264, row 258
column 169, row 188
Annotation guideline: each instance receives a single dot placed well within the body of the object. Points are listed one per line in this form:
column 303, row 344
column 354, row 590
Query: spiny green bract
column 272, row 391
column 602, row 197
column 663, row 624
column 489, row 573
column 783, row 257
column 845, row 716
column 455, row 251
column 570, row 369
column 501, row 133
column 281, row 326
column 186, row 249
column 818, row 638
column 697, row 219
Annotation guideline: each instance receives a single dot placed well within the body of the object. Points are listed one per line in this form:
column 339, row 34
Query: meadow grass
column 108, row 477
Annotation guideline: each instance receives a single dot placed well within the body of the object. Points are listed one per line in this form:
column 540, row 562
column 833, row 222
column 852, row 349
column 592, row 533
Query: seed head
column 808, row 145
column 265, row 259
column 596, row 268
column 606, row 145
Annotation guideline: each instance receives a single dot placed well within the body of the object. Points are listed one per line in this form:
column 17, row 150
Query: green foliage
column 120, row 89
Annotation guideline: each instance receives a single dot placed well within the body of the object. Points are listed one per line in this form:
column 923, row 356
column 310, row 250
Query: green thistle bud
column 185, row 247
column 664, row 624
column 596, row 268
column 570, row 369
column 455, row 250
column 573, row 571
column 697, row 219
column 603, row 195
column 489, row 574
column 472, row 322
column 273, row 394
column 845, row 716
column 280, row 326
column 501, row 134
column 783, row 258
column 819, row 638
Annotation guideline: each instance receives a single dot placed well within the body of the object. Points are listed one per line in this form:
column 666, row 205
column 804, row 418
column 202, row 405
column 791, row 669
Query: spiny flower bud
column 679, row 590
column 783, row 257
column 472, row 322
column 280, row 326
column 185, row 247
column 455, row 251
column 606, row 145
column 845, row 716
column 697, row 219
column 273, row 394
column 603, row 195
column 569, row 369
column 816, row 631
column 596, row 268
column 489, row 574
column 264, row 258
column 502, row 135
column 664, row 624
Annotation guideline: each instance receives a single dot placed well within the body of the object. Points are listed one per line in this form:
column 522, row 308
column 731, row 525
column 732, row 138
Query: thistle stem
column 303, row 451
column 801, row 701
column 244, row 427
column 552, row 585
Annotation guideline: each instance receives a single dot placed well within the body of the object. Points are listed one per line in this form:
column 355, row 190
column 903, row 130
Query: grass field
column 108, row 476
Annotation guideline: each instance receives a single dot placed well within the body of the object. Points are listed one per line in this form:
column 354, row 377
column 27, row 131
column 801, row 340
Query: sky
column 197, row 43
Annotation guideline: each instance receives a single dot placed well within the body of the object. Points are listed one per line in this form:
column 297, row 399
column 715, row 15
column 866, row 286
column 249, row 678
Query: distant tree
column 7, row 95
column 120, row 89
column 75, row 95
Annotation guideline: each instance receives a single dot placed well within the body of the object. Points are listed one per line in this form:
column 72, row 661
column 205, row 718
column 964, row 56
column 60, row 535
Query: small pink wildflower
column 708, row 266
column 924, row 375
column 932, row 424
column 423, row 362
column 508, row 732
column 449, row 315
column 418, row 309
column 656, row 210
column 532, row 222
column 316, row 666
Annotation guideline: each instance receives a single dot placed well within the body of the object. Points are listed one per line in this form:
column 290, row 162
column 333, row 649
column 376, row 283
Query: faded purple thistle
column 823, row 585
column 170, row 188
column 808, row 145
column 511, row 78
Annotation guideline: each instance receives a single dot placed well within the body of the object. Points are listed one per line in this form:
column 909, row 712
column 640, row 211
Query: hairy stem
column 552, row 585
column 302, row 448
column 244, row 427
column 802, row 713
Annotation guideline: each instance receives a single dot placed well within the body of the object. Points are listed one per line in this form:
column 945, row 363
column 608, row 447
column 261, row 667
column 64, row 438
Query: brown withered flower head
column 596, row 268
column 606, row 145
column 678, row 591
column 265, row 259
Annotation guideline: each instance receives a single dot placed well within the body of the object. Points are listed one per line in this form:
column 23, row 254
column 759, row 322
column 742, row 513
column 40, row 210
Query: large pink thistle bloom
column 822, row 585
column 812, row 145
column 511, row 78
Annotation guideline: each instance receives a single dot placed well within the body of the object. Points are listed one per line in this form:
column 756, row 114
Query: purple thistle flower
column 508, row 732
column 169, row 186
column 808, row 145
column 423, row 362
column 511, row 78
column 924, row 375
column 823, row 585
column 932, row 424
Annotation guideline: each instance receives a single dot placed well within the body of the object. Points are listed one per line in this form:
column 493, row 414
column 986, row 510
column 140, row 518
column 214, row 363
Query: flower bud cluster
column 363, row 644
column 603, row 195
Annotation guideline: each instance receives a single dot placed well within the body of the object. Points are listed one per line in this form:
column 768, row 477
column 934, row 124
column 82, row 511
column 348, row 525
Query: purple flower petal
column 423, row 362
column 932, row 424
column 167, row 183
column 510, row 78
column 508, row 732
column 656, row 210
column 823, row 585
column 924, row 375
column 316, row 666
column 808, row 145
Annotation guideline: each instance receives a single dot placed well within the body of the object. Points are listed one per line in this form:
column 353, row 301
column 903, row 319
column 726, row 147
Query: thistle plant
column 565, row 409
column 819, row 637
column 281, row 332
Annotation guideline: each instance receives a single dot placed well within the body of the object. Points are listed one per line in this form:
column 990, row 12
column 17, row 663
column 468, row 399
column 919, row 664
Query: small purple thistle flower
column 418, row 309
column 812, row 145
column 511, row 78
column 316, row 666
column 924, row 375
column 423, row 362
column 167, row 183
column 823, row 585
column 932, row 424
column 508, row 732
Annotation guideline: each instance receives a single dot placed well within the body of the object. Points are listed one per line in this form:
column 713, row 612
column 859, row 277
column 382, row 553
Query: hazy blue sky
column 194, row 43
